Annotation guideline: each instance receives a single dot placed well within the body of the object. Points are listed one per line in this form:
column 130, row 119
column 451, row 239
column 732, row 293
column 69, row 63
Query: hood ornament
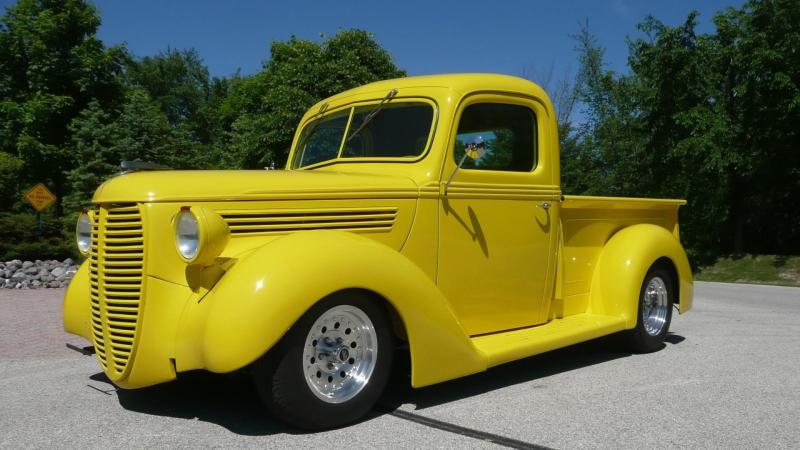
column 139, row 166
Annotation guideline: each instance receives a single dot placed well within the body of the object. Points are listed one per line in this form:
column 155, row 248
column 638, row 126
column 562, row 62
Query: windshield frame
column 351, row 107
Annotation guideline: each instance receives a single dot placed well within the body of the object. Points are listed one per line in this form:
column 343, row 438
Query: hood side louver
column 257, row 222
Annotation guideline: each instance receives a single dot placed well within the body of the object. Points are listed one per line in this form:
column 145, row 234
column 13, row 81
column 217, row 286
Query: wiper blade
column 390, row 95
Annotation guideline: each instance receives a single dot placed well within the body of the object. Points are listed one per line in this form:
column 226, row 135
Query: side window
column 506, row 132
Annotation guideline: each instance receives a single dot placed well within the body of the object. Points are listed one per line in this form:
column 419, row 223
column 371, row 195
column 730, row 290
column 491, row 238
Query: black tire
column 639, row 339
column 280, row 375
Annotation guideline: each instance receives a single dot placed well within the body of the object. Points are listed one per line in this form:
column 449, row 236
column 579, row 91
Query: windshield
column 398, row 130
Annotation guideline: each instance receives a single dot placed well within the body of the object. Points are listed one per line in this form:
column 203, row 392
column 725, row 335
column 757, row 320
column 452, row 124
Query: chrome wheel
column 340, row 353
column 655, row 306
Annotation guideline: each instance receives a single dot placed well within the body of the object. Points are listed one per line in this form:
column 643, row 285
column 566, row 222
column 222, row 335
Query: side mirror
column 473, row 151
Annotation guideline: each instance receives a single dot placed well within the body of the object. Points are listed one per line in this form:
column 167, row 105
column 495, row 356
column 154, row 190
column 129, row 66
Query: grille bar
column 116, row 272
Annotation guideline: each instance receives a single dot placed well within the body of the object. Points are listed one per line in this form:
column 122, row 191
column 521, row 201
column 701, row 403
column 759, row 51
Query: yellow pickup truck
column 421, row 213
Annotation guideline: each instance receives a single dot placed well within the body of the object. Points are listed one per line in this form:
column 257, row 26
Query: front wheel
column 656, row 298
column 331, row 367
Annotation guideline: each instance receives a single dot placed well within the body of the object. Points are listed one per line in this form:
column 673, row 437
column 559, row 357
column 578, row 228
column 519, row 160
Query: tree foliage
column 707, row 117
column 51, row 67
column 263, row 111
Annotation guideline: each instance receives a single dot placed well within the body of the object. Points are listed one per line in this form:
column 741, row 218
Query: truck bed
column 587, row 223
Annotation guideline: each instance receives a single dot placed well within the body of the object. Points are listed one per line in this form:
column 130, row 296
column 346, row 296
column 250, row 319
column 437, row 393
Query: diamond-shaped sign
column 40, row 197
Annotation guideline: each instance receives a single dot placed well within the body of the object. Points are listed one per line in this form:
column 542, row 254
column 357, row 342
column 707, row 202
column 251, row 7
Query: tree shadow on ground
column 231, row 401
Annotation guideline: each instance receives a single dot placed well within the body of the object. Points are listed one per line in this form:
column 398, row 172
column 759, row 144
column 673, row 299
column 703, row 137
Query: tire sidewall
column 281, row 381
column 644, row 341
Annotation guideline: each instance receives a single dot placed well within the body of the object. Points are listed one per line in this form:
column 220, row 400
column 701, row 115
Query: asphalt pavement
column 729, row 377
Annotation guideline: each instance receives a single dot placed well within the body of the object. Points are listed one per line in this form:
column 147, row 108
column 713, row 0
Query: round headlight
column 187, row 235
column 83, row 233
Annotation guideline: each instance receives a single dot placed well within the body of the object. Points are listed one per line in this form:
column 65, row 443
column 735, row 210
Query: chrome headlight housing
column 200, row 235
column 83, row 233
column 187, row 235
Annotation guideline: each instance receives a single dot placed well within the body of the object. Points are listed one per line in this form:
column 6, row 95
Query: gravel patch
column 17, row 274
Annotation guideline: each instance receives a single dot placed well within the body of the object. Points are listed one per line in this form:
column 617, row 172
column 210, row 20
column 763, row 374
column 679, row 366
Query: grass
column 756, row 269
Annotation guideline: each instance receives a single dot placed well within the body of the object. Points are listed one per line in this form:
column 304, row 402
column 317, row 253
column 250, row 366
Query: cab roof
column 463, row 83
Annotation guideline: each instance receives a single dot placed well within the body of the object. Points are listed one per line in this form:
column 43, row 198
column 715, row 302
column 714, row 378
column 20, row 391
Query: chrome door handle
column 544, row 206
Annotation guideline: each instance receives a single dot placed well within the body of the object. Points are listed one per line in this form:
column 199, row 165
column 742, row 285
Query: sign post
column 40, row 198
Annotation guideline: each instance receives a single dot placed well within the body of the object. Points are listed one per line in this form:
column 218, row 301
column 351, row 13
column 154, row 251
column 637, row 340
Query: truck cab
column 424, row 211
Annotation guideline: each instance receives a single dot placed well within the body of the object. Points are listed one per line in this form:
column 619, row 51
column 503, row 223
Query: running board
column 509, row 346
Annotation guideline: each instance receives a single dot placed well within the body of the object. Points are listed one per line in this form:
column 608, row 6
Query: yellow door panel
column 494, row 256
column 497, row 215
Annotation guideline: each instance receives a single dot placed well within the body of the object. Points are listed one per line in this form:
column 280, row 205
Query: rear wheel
column 656, row 298
column 331, row 367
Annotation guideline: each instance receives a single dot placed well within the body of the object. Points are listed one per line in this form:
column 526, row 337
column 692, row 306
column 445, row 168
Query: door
column 496, row 219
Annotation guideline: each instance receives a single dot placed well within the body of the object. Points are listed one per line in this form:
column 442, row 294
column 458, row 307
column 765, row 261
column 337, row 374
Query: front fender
column 266, row 292
column 76, row 304
column 623, row 264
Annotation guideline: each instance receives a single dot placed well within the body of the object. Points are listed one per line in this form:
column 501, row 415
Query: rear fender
column 623, row 264
column 265, row 293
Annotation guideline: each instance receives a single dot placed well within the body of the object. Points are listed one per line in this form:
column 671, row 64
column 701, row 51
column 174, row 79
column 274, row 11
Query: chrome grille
column 116, row 270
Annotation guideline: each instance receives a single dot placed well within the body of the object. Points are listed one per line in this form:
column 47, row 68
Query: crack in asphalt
column 464, row 431
column 108, row 392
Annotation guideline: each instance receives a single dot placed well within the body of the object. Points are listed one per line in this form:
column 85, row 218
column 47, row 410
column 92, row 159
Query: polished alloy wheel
column 655, row 306
column 340, row 353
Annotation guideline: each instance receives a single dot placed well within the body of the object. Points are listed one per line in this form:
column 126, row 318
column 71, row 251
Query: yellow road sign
column 40, row 197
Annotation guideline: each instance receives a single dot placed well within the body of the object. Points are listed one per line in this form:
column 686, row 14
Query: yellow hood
column 224, row 185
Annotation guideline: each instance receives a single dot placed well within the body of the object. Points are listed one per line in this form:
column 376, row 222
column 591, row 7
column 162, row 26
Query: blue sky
column 423, row 36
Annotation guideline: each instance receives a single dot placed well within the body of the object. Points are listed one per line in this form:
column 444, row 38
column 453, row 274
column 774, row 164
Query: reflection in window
column 507, row 132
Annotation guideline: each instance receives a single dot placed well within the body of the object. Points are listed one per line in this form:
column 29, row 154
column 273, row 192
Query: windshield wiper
column 372, row 114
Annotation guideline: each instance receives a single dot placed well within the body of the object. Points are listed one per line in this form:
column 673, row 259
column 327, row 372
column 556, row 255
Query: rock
column 18, row 275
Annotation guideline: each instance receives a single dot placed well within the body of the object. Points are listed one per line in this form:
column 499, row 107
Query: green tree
column 10, row 171
column 707, row 117
column 262, row 111
column 51, row 67
column 178, row 81
column 102, row 140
